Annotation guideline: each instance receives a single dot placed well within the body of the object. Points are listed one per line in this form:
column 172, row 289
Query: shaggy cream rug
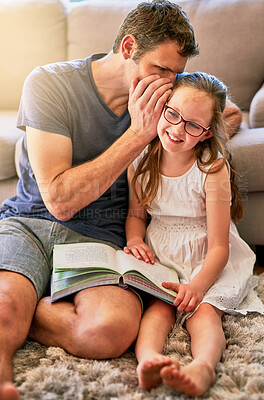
column 51, row 374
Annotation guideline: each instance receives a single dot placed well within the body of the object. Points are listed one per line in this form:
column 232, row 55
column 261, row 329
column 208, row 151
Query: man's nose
column 171, row 76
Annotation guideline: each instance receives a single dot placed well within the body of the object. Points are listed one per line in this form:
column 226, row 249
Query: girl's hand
column 140, row 250
column 188, row 297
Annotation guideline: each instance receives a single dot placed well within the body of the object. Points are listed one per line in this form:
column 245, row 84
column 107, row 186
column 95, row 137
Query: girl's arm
column 136, row 223
column 218, row 194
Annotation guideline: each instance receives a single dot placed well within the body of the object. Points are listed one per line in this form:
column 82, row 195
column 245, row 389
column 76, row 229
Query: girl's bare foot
column 8, row 391
column 149, row 371
column 193, row 380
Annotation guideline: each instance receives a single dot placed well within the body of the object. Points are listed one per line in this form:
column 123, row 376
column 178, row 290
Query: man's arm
column 65, row 189
column 233, row 117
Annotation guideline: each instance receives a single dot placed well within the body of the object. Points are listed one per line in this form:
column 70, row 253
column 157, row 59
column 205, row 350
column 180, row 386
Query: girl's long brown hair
column 149, row 166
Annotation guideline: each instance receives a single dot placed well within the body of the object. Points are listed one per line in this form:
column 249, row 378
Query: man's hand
column 233, row 117
column 188, row 297
column 140, row 250
column 146, row 100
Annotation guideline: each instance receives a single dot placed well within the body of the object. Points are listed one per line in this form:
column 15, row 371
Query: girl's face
column 193, row 105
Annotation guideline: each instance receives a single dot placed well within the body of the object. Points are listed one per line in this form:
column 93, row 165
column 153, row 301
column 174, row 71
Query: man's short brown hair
column 156, row 22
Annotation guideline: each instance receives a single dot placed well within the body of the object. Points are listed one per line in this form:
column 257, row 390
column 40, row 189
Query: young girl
column 185, row 181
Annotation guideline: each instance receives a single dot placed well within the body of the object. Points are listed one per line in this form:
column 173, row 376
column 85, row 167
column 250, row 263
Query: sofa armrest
column 256, row 112
column 18, row 151
column 9, row 135
column 247, row 148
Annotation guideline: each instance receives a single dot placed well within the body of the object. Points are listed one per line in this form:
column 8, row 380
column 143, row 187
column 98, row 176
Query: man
column 80, row 140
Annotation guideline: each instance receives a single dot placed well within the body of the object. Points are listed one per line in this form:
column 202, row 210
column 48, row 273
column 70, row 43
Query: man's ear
column 206, row 136
column 128, row 45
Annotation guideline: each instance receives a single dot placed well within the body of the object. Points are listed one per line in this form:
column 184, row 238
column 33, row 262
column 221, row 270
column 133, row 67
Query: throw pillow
column 256, row 112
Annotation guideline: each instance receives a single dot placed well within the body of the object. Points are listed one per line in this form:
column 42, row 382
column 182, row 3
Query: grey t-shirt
column 62, row 98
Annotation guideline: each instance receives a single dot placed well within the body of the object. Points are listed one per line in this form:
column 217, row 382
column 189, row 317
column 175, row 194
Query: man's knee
column 17, row 303
column 102, row 338
column 8, row 309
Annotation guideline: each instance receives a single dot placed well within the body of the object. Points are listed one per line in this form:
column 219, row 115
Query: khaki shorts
column 26, row 247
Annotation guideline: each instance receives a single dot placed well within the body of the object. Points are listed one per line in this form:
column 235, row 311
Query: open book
column 79, row 266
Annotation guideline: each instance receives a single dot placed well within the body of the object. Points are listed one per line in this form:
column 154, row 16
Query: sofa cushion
column 32, row 33
column 247, row 147
column 230, row 35
column 93, row 25
column 9, row 135
column 256, row 112
column 251, row 228
column 7, row 188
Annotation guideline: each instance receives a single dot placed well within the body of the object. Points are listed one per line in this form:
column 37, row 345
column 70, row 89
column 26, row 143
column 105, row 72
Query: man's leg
column 207, row 345
column 155, row 326
column 102, row 322
column 18, row 301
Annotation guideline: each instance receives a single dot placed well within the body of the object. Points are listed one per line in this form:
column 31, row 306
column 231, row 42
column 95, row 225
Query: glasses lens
column 193, row 129
column 172, row 116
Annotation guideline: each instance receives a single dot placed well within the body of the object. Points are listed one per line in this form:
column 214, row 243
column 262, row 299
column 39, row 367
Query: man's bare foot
column 193, row 380
column 8, row 391
column 149, row 371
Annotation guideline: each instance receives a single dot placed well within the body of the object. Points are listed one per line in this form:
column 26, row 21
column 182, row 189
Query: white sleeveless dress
column 177, row 236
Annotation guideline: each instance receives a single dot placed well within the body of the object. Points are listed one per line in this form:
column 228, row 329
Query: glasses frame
column 185, row 121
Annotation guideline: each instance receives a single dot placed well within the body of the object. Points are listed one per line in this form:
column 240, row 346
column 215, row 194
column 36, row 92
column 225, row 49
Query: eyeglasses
column 175, row 118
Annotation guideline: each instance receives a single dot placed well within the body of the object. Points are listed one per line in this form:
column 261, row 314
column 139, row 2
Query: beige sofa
column 230, row 33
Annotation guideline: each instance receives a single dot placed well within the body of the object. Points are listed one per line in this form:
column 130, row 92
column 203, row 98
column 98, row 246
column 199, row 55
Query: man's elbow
column 60, row 210
column 61, row 214
column 233, row 117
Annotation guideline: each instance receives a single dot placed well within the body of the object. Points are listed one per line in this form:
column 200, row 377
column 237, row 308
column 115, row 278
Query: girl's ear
column 206, row 136
column 128, row 44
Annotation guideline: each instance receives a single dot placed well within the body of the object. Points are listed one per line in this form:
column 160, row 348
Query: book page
column 84, row 255
column 157, row 273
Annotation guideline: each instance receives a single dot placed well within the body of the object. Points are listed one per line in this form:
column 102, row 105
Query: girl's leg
column 207, row 345
column 156, row 324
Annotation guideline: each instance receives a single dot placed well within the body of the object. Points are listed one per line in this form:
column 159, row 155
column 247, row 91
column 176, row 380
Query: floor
column 259, row 266
column 258, row 269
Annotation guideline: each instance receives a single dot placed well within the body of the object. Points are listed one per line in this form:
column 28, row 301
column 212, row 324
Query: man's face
column 164, row 60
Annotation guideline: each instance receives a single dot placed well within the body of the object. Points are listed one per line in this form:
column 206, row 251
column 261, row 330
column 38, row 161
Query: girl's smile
column 174, row 138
